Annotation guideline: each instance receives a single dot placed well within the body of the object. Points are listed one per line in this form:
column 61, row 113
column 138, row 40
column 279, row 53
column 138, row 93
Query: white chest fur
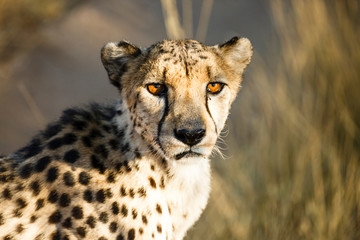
column 187, row 193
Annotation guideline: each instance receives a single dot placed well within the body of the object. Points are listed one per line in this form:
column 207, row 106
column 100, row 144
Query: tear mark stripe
column 208, row 110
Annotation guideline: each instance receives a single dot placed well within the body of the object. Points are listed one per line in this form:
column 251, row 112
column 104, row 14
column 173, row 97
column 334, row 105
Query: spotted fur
column 133, row 169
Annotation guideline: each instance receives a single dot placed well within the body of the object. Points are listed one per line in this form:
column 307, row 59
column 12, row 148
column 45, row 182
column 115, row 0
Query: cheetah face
column 178, row 92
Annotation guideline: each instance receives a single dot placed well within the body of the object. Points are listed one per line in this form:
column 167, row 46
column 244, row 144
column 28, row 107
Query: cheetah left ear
column 115, row 58
column 237, row 53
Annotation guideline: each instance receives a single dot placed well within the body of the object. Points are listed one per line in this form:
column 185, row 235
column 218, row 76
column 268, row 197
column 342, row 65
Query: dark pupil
column 213, row 84
column 156, row 86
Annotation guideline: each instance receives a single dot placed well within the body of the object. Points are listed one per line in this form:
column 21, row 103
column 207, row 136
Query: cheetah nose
column 190, row 137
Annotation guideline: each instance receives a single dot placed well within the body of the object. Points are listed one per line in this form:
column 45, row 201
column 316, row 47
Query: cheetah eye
column 156, row 89
column 215, row 88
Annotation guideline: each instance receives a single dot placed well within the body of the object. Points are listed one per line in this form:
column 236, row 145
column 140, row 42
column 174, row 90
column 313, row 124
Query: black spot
column 52, row 130
column 142, row 192
column 152, row 182
column 3, row 169
column 55, row 143
column 124, row 210
column 131, row 193
column 113, row 227
column 100, row 196
column 69, row 179
column 108, row 193
column 7, row 178
column 7, row 194
column 131, row 234
column 208, row 72
column 134, row 213
column 25, row 171
column 42, row 163
column 64, row 200
column 162, row 182
column 120, row 133
column 2, row 221
column 123, row 166
column 17, row 213
column 104, row 217
column 88, row 196
column 79, row 125
column 39, row 204
column 52, row 174
column 111, row 177
column 86, row 141
column 81, row 231
column 102, row 238
column 95, row 163
column 33, row 218
column 95, row 133
column 55, row 217
column 123, row 191
column 35, row 187
column 159, row 228
column 152, row 167
column 106, row 128
column 71, row 156
column 67, row 223
column 66, row 237
column 141, row 231
column 114, row 144
column 144, row 219
column 137, row 153
column 77, row 212
column 158, row 208
column 32, row 149
column 69, row 138
column 53, row 196
column 101, row 149
column 91, row 221
column 21, row 203
column 56, row 235
column 19, row 187
column 119, row 237
column 115, row 208
column 84, row 178
column 8, row 237
column 125, row 147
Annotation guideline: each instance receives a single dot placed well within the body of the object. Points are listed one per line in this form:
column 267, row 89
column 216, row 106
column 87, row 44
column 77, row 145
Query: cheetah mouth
column 187, row 154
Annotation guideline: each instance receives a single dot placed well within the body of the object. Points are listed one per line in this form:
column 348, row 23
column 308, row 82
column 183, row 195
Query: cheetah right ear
column 115, row 57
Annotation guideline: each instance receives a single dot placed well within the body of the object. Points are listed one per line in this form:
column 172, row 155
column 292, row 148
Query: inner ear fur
column 237, row 53
column 115, row 57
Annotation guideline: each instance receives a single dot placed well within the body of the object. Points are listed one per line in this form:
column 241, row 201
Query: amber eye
column 215, row 87
column 156, row 89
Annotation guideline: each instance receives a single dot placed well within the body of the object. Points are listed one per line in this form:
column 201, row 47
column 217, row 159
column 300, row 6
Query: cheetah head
column 178, row 92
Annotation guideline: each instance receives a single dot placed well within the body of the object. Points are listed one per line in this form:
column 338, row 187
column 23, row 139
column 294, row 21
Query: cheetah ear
column 115, row 57
column 237, row 53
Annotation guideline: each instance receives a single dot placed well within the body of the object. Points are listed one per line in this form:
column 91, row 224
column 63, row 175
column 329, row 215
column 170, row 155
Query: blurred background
column 291, row 164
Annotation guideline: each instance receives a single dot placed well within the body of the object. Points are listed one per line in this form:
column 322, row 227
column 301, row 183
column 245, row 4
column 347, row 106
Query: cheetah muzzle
column 135, row 169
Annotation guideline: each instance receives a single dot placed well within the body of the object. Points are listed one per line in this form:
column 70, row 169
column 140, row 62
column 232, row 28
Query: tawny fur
column 123, row 171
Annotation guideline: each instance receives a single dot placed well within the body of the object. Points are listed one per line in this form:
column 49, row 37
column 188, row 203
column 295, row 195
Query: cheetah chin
column 134, row 169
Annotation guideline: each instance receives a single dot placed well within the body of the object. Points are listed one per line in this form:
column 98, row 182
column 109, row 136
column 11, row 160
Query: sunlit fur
column 125, row 160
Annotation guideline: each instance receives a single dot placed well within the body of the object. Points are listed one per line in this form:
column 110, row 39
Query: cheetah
column 135, row 169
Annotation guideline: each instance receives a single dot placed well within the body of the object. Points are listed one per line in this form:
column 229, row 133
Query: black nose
column 190, row 137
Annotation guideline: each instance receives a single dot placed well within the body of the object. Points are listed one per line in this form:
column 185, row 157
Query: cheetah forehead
column 175, row 60
column 180, row 61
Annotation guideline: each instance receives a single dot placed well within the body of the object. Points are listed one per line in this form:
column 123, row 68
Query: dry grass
column 21, row 20
column 294, row 172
